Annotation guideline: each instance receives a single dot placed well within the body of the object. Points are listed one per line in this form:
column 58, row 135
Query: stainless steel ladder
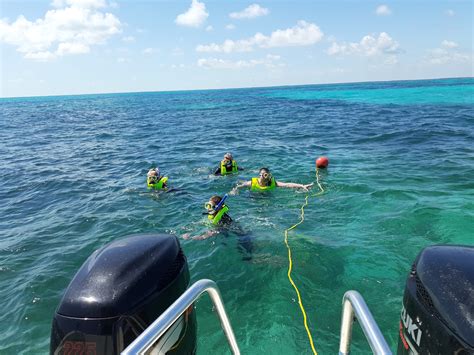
column 151, row 334
column 354, row 307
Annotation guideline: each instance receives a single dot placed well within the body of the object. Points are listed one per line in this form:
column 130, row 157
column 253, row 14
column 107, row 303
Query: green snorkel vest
column 257, row 187
column 215, row 219
column 224, row 169
column 157, row 185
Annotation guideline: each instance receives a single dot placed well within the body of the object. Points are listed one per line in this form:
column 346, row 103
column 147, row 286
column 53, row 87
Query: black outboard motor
column 118, row 292
column 438, row 305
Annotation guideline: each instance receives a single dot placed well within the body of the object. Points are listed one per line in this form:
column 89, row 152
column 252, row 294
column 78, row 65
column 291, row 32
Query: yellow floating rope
column 290, row 262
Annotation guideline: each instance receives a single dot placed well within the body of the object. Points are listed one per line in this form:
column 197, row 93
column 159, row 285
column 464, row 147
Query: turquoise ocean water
column 401, row 177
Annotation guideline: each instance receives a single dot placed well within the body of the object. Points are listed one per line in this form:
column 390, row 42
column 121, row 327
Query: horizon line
column 227, row 88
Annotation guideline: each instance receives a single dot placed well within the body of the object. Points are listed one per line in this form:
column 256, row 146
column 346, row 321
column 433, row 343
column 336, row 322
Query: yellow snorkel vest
column 157, row 185
column 215, row 219
column 257, row 187
column 224, row 169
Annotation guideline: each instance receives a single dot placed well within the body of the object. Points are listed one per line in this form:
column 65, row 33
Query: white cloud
column 368, row 46
column 450, row 12
column 71, row 48
column 250, row 12
column 448, row 44
column 195, row 16
column 383, row 10
column 123, row 60
column 214, row 63
column 71, row 28
column 447, row 54
column 230, row 26
column 442, row 56
column 228, row 46
column 303, row 34
column 209, row 28
column 128, row 39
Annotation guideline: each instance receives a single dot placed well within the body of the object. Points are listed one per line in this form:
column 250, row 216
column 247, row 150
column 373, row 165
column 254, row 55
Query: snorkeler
column 155, row 181
column 228, row 166
column 266, row 182
column 222, row 223
column 217, row 216
column 217, row 211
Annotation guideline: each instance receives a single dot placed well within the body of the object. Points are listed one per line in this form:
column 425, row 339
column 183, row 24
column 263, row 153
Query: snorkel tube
column 219, row 211
column 219, row 205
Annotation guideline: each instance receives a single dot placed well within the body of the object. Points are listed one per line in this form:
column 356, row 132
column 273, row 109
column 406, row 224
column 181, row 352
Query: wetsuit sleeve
column 218, row 171
column 226, row 220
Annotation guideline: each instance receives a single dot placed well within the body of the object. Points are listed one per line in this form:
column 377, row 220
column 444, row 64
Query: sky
column 63, row 47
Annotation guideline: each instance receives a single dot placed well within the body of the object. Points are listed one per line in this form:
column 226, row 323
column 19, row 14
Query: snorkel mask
column 227, row 161
column 152, row 178
column 213, row 209
column 267, row 177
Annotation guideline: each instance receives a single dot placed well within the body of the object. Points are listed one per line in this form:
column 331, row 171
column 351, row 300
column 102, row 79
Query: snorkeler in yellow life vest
column 155, row 181
column 217, row 216
column 263, row 183
column 228, row 166
column 266, row 182
column 217, row 210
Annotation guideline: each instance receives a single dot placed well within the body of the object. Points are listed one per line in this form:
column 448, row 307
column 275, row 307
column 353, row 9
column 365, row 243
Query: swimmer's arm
column 217, row 172
column 293, row 185
column 243, row 184
column 206, row 235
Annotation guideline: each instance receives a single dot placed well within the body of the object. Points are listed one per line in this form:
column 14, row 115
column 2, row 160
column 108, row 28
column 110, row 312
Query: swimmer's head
column 265, row 176
column 153, row 175
column 228, row 159
column 212, row 204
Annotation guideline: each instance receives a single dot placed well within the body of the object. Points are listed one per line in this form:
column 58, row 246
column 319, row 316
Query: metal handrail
column 146, row 340
column 354, row 305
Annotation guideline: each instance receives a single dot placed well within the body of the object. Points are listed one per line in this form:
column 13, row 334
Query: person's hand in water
column 206, row 235
column 235, row 190
column 307, row 186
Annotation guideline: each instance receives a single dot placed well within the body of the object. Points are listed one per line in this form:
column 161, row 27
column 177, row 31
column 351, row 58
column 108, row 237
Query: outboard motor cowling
column 438, row 306
column 118, row 292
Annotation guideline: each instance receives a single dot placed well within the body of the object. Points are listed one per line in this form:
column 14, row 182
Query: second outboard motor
column 438, row 306
column 118, row 292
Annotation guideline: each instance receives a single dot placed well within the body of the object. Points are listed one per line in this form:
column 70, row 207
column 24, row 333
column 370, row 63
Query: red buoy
column 322, row 162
